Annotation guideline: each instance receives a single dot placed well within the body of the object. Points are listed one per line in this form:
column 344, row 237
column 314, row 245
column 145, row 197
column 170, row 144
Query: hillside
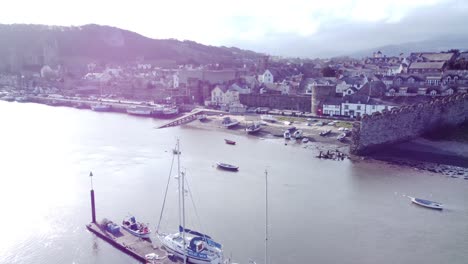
column 36, row 44
column 432, row 45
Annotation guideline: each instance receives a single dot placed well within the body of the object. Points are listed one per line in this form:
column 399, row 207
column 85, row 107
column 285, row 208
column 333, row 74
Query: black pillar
column 93, row 207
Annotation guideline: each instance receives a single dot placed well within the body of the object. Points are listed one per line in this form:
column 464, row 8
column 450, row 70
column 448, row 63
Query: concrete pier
column 132, row 245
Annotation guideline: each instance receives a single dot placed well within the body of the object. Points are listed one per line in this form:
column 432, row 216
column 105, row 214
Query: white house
column 266, row 77
column 354, row 106
column 217, row 95
column 331, row 106
column 221, row 95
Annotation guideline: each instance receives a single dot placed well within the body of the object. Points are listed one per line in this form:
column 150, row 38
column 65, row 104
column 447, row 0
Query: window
column 346, row 107
column 358, row 107
column 325, row 112
column 337, row 112
column 373, row 107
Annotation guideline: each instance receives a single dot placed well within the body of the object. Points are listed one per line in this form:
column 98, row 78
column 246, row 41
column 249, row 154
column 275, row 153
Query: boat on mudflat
column 268, row 118
column 255, row 127
column 341, row 137
column 324, row 133
column 136, row 228
column 228, row 122
column 229, row 142
column 427, row 203
column 228, row 167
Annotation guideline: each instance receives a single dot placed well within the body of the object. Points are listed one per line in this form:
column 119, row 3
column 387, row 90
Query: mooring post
column 93, row 207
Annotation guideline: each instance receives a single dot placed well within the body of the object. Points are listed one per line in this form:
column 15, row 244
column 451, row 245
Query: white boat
column 253, row 128
column 226, row 166
column 136, row 228
column 228, row 122
column 268, row 118
column 190, row 245
column 287, row 134
column 170, row 112
column 140, row 111
column 305, row 140
column 101, row 108
column 326, row 132
column 21, row 99
column 341, row 137
column 427, row 203
column 202, row 117
column 297, row 134
column 8, row 98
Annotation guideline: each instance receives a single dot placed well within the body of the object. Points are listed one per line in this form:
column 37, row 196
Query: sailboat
column 189, row 245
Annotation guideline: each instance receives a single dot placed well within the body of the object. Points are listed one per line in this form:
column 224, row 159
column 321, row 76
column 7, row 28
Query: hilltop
column 40, row 44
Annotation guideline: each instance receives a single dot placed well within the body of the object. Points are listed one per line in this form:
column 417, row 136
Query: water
column 320, row 211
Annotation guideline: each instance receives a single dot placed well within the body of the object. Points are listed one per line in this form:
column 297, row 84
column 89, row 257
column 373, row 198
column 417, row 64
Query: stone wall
column 289, row 102
column 402, row 124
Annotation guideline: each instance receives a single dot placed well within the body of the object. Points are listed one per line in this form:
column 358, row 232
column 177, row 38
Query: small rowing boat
column 427, row 203
column 229, row 142
column 226, row 166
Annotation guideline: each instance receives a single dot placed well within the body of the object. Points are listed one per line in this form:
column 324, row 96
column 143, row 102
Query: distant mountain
column 36, row 44
column 431, row 45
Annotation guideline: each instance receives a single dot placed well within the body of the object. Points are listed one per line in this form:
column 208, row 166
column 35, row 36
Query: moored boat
column 228, row 167
column 305, row 140
column 324, row 133
column 188, row 244
column 140, row 111
column 427, row 203
column 287, row 134
column 169, row 112
column 341, row 137
column 255, row 127
column 101, row 108
column 268, row 118
column 136, row 228
column 229, row 142
column 228, row 122
column 8, row 98
column 297, row 134
column 202, row 117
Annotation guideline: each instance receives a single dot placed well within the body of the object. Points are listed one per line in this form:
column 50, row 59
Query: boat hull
column 174, row 249
column 147, row 235
column 427, row 204
column 229, row 142
column 227, row 167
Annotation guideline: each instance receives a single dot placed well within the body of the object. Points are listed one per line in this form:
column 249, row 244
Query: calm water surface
column 320, row 211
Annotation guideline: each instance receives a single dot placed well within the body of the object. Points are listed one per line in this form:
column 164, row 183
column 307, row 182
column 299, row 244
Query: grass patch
column 344, row 124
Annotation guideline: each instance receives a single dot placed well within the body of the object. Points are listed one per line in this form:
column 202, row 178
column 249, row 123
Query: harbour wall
column 287, row 102
column 375, row 131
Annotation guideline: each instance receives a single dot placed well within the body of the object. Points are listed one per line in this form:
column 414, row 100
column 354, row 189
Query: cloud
column 295, row 27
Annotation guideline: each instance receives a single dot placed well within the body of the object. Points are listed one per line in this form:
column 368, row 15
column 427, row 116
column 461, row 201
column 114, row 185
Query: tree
column 328, row 72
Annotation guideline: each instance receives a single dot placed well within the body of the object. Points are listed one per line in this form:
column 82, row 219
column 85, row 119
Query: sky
column 304, row 28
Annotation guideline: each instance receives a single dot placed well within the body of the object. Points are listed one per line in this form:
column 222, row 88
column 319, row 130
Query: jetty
column 143, row 250
column 189, row 117
column 134, row 246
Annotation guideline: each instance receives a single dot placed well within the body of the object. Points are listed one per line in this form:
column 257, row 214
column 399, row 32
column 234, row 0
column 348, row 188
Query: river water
column 320, row 211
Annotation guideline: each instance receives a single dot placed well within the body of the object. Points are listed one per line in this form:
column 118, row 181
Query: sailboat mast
column 266, row 217
column 183, row 217
column 181, row 201
column 178, row 181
